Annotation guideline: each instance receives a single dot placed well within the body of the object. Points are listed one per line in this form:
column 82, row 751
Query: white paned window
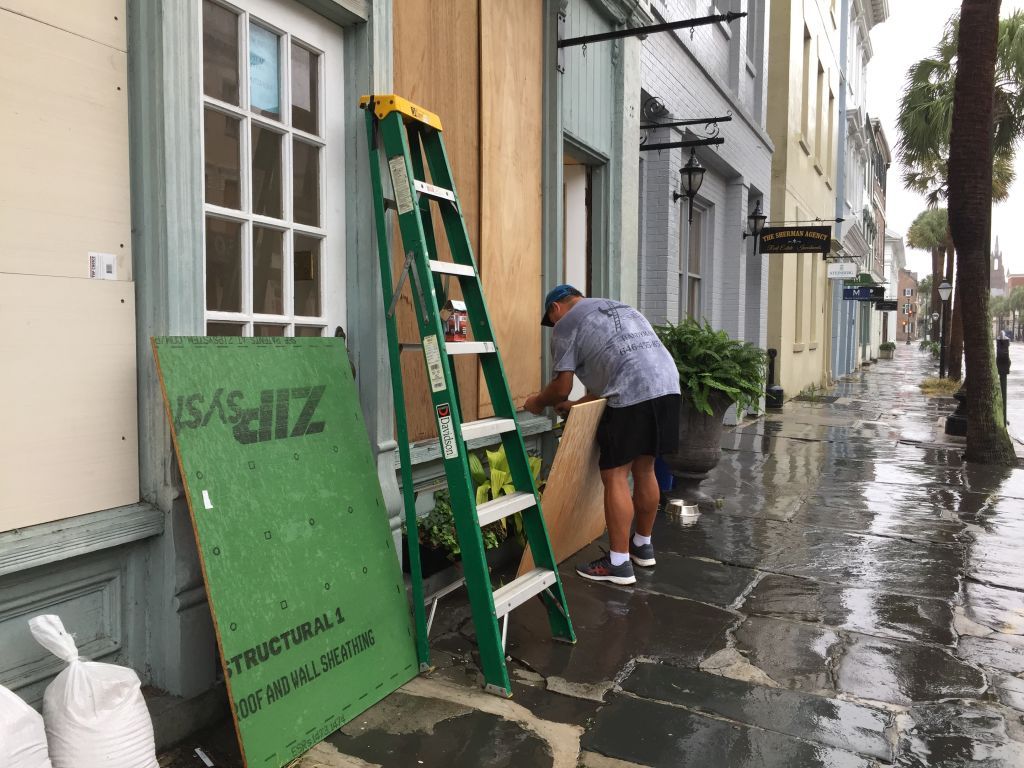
column 691, row 260
column 271, row 238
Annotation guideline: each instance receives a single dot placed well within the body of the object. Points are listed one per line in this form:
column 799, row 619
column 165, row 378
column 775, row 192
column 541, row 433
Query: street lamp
column 755, row 223
column 945, row 289
column 692, row 177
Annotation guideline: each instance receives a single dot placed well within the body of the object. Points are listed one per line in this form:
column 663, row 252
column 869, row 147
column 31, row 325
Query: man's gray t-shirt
column 615, row 353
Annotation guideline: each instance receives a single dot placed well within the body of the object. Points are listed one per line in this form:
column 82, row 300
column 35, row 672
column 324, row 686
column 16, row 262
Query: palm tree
column 972, row 138
column 925, row 119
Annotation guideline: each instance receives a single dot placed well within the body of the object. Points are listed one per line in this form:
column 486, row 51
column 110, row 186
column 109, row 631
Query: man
column 616, row 354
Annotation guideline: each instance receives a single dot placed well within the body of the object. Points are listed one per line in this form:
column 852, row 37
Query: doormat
column 298, row 557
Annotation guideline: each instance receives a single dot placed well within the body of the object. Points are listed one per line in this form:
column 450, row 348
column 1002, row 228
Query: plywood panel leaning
column 71, row 163
column 292, row 532
column 437, row 65
column 69, row 435
column 511, row 115
column 573, row 501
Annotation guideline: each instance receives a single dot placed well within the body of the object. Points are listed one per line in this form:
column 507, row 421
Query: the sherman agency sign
column 796, row 240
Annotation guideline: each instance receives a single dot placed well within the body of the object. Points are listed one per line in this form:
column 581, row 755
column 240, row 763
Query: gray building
column 859, row 231
column 705, row 270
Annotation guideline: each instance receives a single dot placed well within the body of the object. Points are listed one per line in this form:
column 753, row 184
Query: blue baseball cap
column 557, row 293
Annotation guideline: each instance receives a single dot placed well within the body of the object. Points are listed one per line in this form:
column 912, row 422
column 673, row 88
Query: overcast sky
column 909, row 35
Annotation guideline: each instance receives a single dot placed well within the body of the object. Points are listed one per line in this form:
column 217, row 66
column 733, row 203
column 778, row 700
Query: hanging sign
column 796, row 240
column 842, row 270
column 864, row 293
column 888, row 305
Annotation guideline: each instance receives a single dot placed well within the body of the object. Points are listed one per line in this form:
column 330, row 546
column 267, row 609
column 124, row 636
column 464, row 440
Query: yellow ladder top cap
column 386, row 103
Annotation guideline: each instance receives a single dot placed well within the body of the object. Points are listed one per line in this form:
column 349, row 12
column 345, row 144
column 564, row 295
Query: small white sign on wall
column 102, row 266
column 842, row 270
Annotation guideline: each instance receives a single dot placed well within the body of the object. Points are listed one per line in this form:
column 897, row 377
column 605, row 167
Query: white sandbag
column 95, row 714
column 22, row 737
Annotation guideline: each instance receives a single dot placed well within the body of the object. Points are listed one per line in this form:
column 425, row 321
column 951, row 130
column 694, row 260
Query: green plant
column 930, row 345
column 710, row 361
column 889, row 345
column 437, row 529
column 496, row 481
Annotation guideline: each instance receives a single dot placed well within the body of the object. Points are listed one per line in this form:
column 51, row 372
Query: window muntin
column 263, row 140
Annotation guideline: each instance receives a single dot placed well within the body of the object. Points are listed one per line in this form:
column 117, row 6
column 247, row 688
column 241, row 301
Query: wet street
column 855, row 598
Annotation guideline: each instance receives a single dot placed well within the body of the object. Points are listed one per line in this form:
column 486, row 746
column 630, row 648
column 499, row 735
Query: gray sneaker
column 643, row 555
column 603, row 570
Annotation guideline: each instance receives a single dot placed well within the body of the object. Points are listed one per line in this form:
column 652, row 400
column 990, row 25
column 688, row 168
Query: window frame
column 243, row 112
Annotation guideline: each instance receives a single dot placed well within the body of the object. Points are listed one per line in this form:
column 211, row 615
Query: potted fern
column 886, row 349
column 715, row 372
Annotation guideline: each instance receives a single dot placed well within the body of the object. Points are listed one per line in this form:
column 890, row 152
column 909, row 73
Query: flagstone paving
column 854, row 597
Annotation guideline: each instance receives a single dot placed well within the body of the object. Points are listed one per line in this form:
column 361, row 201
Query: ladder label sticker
column 434, row 368
column 400, row 181
column 445, row 431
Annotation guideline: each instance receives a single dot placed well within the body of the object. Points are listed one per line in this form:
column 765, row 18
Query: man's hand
column 533, row 405
column 562, row 409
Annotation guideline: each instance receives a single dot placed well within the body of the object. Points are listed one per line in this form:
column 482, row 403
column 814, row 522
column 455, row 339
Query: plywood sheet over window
column 437, row 65
column 64, row 183
column 511, row 126
column 69, row 437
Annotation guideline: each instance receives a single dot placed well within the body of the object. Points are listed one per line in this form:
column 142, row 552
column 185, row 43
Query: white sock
column 639, row 541
column 618, row 558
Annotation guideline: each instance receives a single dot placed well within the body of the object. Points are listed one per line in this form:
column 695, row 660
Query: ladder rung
column 517, row 592
column 495, row 425
column 503, row 506
column 469, row 347
column 435, row 192
column 448, row 268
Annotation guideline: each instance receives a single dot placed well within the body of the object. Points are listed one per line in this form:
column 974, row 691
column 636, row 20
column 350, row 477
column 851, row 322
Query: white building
column 854, row 205
column 895, row 260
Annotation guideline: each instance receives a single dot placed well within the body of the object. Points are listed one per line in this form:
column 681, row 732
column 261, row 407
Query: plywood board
column 102, row 21
column 68, row 436
column 437, row 66
column 511, row 130
column 292, row 532
column 65, row 191
column 573, row 501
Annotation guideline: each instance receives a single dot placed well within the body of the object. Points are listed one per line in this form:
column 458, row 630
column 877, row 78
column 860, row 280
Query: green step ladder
column 400, row 135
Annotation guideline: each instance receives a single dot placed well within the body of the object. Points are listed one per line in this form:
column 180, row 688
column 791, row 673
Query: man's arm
column 553, row 394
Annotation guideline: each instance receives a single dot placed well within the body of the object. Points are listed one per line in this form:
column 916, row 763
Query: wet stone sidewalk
column 856, row 598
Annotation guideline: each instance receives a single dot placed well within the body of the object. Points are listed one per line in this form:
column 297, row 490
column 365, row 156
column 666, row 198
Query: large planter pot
column 885, row 354
column 700, row 449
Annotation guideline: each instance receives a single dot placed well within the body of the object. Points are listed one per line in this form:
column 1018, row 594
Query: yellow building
column 803, row 97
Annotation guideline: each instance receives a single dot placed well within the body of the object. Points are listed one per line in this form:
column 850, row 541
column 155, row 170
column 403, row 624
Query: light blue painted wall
column 588, row 85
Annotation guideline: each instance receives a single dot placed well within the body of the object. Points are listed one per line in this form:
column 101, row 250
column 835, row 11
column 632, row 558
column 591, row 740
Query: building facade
column 909, row 324
column 895, row 262
column 705, row 269
column 803, row 86
column 997, row 280
column 216, row 181
column 880, row 160
column 855, row 203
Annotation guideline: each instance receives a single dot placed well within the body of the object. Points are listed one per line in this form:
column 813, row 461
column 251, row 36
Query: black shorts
column 649, row 428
